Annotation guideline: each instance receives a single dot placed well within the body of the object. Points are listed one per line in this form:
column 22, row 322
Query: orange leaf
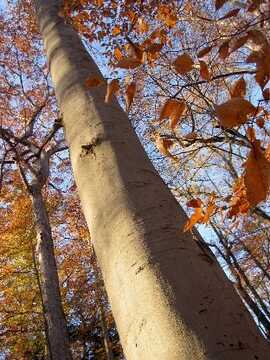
column 172, row 109
column 112, row 89
column 116, row 30
column 128, row 63
column 130, row 92
column 142, row 26
column 234, row 112
column 195, row 218
column 183, row 64
column 257, row 175
column 204, row 72
column 239, row 88
column 93, row 81
column 118, row 54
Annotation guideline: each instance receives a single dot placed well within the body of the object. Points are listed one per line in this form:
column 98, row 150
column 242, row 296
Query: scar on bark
column 89, row 148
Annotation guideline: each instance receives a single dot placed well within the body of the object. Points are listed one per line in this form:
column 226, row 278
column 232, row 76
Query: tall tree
column 167, row 292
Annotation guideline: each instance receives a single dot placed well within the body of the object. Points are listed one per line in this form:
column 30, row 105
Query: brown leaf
column 204, row 51
column 173, row 109
column 164, row 145
column 130, row 93
column 183, row 64
column 112, row 89
column 238, row 43
column 234, row 112
column 223, row 51
column 251, row 134
column 230, row 14
column 257, row 175
column 238, row 88
column 219, row 3
column 258, row 37
column 204, row 72
column 260, row 122
column 194, row 203
column 128, row 63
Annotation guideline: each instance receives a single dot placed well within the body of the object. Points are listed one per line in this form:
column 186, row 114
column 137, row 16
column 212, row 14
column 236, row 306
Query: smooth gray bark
column 170, row 299
column 51, row 298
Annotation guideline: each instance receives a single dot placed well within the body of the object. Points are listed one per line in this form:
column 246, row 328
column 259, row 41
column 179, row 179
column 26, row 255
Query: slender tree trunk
column 169, row 300
column 54, row 314
column 48, row 353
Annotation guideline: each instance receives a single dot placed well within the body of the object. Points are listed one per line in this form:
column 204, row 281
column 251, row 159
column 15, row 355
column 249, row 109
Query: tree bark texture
column 50, row 291
column 170, row 299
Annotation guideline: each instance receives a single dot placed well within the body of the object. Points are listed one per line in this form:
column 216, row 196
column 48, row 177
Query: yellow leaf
column 257, row 175
column 238, row 88
column 173, row 109
column 204, row 72
column 93, row 81
column 234, row 112
column 112, row 89
column 183, row 64
column 130, row 92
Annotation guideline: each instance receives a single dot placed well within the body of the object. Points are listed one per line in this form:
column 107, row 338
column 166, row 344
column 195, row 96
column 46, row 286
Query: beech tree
column 173, row 293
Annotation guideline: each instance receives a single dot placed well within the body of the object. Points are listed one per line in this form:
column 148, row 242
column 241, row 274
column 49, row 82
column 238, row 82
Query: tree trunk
column 50, row 292
column 170, row 300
